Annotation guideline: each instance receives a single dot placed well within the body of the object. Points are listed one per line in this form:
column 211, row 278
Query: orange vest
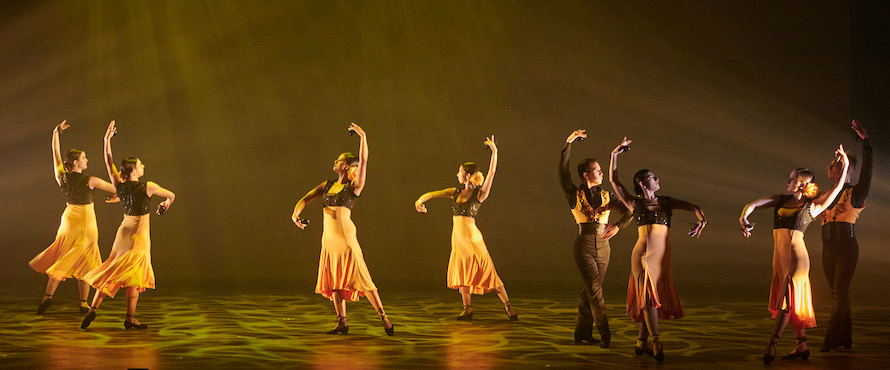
column 584, row 213
column 843, row 211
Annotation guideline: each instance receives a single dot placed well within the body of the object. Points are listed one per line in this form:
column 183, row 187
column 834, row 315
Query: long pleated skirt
column 651, row 282
column 341, row 266
column 76, row 249
column 470, row 264
column 790, row 287
column 129, row 263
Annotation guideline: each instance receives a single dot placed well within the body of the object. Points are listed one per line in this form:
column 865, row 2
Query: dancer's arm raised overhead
column 492, row 167
column 824, row 200
column 113, row 175
column 58, row 164
column 361, row 173
column 619, row 188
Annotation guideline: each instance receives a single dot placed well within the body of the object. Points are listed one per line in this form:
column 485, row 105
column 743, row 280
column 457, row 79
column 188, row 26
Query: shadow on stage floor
column 189, row 330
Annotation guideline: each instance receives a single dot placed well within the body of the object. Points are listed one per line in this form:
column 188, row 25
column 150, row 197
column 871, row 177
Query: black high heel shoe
column 342, row 326
column 383, row 320
column 509, row 308
column 644, row 350
column 656, row 346
column 132, row 324
column 47, row 301
column 88, row 318
column 770, row 354
column 589, row 339
column 797, row 354
column 84, row 307
column 465, row 315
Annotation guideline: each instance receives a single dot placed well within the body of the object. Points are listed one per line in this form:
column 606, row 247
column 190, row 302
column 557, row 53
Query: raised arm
column 746, row 226
column 444, row 193
column 860, row 190
column 565, row 176
column 113, row 175
column 58, row 164
column 359, row 183
column 155, row 189
column 619, row 188
column 696, row 229
column 492, row 166
column 824, row 200
column 312, row 195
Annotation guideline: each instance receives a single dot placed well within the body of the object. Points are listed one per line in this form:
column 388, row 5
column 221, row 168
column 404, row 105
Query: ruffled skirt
column 470, row 264
column 129, row 264
column 76, row 249
column 651, row 282
column 341, row 265
column 790, row 288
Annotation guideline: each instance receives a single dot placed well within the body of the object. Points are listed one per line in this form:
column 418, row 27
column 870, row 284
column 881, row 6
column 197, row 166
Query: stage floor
column 287, row 331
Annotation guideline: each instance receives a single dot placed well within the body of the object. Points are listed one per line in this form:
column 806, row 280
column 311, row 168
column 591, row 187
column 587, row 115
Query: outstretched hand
column 111, row 130
column 697, row 228
column 420, row 207
column 841, row 154
column 489, row 141
column 859, row 129
column 63, row 125
column 747, row 227
column 623, row 147
column 355, row 128
column 582, row 134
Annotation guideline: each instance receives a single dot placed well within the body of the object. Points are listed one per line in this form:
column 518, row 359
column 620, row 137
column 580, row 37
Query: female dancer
column 790, row 297
column 651, row 294
column 342, row 272
column 76, row 249
column 840, row 250
column 129, row 263
column 470, row 269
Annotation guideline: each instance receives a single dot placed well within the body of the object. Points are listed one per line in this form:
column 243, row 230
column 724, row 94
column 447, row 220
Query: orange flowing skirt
column 470, row 264
column 76, row 249
column 129, row 263
column 341, row 266
column 651, row 282
column 790, row 288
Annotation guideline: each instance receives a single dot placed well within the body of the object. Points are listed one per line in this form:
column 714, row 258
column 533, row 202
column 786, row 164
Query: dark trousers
column 840, row 252
column 592, row 257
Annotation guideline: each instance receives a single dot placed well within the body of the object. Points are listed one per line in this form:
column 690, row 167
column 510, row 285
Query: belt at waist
column 591, row 228
column 838, row 230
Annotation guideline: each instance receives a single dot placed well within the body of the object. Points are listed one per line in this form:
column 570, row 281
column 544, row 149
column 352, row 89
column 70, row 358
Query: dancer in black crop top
column 790, row 293
column 75, row 250
column 129, row 263
column 651, row 292
column 470, row 268
column 342, row 273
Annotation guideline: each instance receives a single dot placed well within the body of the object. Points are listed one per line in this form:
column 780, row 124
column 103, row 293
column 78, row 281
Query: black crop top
column 469, row 208
column 661, row 215
column 76, row 187
column 797, row 221
column 134, row 197
column 345, row 198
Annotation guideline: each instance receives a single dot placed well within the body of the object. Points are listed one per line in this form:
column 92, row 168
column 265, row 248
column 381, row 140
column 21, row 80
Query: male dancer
column 840, row 251
column 591, row 206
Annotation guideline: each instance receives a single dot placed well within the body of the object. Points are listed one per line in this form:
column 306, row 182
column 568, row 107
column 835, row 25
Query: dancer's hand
column 112, row 198
column 419, row 206
column 62, row 126
column 841, row 154
column 747, row 227
column 355, row 128
column 111, row 131
column 857, row 127
column 489, row 141
column 697, row 228
column 610, row 231
column 577, row 134
column 301, row 223
column 623, row 147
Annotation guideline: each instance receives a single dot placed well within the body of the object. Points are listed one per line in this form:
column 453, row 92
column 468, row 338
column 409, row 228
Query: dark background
column 240, row 107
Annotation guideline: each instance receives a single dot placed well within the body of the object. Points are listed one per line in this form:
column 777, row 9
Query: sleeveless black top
column 797, row 221
column 469, row 208
column 345, row 198
column 134, row 197
column 76, row 187
column 660, row 216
